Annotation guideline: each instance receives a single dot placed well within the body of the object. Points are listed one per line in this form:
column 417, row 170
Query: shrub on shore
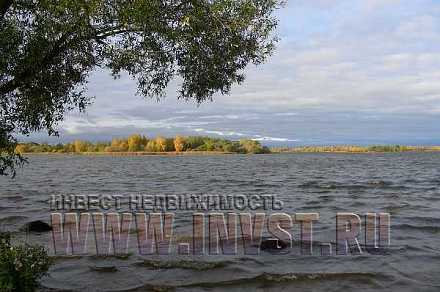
column 21, row 266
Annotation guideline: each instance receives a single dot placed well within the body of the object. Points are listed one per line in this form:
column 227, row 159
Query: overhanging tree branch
column 39, row 66
column 4, row 7
column 48, row 48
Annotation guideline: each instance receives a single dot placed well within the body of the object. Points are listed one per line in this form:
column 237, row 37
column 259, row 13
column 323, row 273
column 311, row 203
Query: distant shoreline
column 356, row 152
column 216, row 153
column 186, row 153
column 137, row 144
column 140, row 145
column 355, row 149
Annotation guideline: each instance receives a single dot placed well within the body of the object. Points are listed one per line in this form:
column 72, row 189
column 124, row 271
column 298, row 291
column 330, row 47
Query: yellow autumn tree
column 152, row 146
column 179, row 143
column 161, row 143
column 21, row 148
column 118, row 145
column 80, row 146
column 135, row 143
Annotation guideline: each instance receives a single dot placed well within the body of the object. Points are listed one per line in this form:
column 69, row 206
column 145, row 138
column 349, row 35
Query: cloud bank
column 344, row 72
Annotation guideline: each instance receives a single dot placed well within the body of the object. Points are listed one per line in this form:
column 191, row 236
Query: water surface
column 406, row 185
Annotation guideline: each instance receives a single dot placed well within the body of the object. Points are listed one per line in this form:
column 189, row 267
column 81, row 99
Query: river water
column 405, row 185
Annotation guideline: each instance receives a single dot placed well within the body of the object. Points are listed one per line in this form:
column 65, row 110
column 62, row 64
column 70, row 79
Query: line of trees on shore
column 140, row 143
column 355, row 148
column 159, row 144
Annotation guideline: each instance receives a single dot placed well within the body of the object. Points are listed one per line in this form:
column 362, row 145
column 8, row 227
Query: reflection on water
column 405, row 185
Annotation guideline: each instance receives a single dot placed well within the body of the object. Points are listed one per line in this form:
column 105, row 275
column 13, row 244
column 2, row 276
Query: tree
column 69, row 148
column 117, row 145
column 179, row 143
column 80, row 146
column 144, row 142
column 135, row 143
column 161, row 143
column 49, row 47
column 194, row 142
column 152, row 146
column 251, row 146
column 169, row 144
column 209, row 145
column 22, row 148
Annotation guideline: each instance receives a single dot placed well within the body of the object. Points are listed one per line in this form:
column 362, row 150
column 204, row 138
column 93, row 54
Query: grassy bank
column 355, row 149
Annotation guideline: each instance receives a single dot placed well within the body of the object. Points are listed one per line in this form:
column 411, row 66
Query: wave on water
column 421, row 228
column 373, row 184
column 182, row 264
column 290, row 280
column 290, row 277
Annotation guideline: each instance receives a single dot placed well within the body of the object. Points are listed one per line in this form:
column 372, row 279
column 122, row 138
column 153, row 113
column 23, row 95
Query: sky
column 344, row 72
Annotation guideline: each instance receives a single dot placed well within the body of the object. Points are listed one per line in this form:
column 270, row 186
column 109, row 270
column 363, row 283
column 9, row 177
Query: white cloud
column 286, row 114
column 224, row 133
column 79, row 125
column 274, row 139
column 379, row 71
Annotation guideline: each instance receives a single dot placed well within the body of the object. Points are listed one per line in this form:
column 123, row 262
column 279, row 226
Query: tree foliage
column 180, row 143
column 251, row 146
column 49, row 47
column 21, row 266
column 136, row 143
column 139, row 143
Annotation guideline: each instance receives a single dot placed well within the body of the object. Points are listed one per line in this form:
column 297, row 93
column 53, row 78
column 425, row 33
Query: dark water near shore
column 406, row 185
